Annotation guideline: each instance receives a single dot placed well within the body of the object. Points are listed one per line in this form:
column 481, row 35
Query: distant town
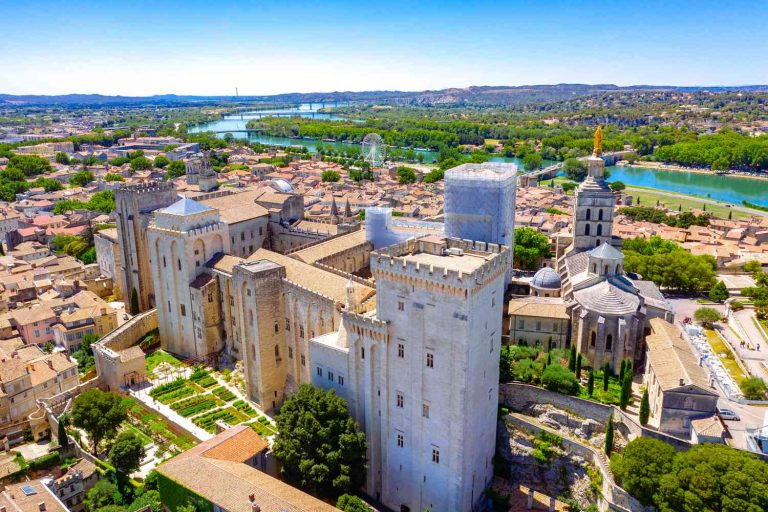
column 460, row 300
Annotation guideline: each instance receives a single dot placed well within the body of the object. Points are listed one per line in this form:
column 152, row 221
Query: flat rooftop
column 466, row 263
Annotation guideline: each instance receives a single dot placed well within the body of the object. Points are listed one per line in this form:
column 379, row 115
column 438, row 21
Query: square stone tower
column 593, row 216
column 424, row 371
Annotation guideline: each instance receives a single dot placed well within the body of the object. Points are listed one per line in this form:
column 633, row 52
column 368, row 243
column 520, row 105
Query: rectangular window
column 521, row 324
column 430, row 360
column 400, row 350
column 425, row 410
column 290, row 353
column 362, row 352
column 538, row 325
column 555, row 327
column 179, row 263
column 287, row 325
column 341, row 380
column 436, row 455
column 400, row 400
column 400, row 440
column 183, row 310
column 401, row 306
column 303, row 360
column 242, row 237
column 164, row 262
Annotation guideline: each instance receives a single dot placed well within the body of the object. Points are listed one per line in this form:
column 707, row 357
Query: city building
column 30, row 496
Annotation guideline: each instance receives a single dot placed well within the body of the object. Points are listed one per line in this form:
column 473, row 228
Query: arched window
column 277, row 351
column 608, row 342
column 605, row 269
column 589, row 214
column 594, row 268
column 599, row 214
column 599, row 230
column 593, row 339
column 586, row 230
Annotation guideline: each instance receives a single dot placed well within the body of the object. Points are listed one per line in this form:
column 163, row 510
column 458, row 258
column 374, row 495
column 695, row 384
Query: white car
column 727, row 414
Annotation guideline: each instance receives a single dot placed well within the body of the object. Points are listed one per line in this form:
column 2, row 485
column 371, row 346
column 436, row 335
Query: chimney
column 682, row 382
column 41, row 506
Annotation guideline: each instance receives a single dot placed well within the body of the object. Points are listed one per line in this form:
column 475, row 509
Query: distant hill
column 475, row 95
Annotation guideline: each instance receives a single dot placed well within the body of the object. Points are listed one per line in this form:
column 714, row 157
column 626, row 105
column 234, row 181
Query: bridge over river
column 533, row 177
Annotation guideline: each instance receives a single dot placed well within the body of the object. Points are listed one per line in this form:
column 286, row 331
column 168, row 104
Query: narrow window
column 599, row 214
column 277, row 352
column 436, row 455
column 401, row 306
column 400, row 350
column 179, row 263
column 362, row 352
column 303, row 360
column 330, row 376
column 592, row 339
column 183, row 310
column 599, row 230
column 589, row 214
column 586, row 230
column 290, row 353
column 341, row 380
column 430, row 360
column 425, row 410
column 400, row 440
column 164, row 265
column 521, row 324
column 608, row 342
column 400, row 400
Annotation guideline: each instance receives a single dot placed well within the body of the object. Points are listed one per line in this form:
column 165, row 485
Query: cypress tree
column 606, row 375
column 626, row 391
column 134, row 302
column 621, row 371
column 62, row 433
column 572, row 359
column 628, row 368
column 578, row 366
column 645, row 408
column 549, row 358
column 609, row 435
column 591, row 383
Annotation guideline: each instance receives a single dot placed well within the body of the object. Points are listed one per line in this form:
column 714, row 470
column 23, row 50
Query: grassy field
column 719, row 347
column 649, row 197
column 160, row 356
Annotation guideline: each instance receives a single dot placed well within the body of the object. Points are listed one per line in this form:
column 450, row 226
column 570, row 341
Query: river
column 722, row 188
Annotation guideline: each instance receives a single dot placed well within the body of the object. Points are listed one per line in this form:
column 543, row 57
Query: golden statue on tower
column 598, row 147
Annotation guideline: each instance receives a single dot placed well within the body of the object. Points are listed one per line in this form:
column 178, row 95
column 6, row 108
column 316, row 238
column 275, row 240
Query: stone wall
column 111, row 367
column 516, row 396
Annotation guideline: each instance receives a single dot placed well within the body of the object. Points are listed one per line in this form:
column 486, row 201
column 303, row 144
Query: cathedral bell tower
column 593, row 217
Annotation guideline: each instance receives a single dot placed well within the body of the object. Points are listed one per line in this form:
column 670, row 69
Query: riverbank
column 694, row 170
column 673, row 201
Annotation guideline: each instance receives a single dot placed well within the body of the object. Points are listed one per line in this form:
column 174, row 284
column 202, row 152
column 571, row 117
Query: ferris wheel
column 374, row 151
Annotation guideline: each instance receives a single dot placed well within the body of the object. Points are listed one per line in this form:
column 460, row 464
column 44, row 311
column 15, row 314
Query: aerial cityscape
column 383, row 257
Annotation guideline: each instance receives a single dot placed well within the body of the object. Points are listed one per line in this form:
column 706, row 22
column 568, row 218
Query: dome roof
column 546, row 278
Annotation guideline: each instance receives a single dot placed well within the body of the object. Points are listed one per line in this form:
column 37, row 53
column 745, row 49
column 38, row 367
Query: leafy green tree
column 135, row 302
column 320, row 446
column 30, row 165
column 351, row 503
column 707, row 316
column 81, row 178
column 560, row 379
column 591, row 383
column 754, row 388
column 141, row 163
column 532, row 161
column 609, row 435
column 714, row 477
column 645, row 408
column 575, row 169
column 719, row 292
column 102, row 494
column 406, row 175
column 126, row 453
column 618, row 186
column 113, row 176
column 330, row 176
column 98, row 413
column 175, row 169
column 505, row 364
column 61, row 158
column 531, row 247
column 161, row 161
column 49, row 184
column 753, row 267
column 149, row 498
column 640, row 468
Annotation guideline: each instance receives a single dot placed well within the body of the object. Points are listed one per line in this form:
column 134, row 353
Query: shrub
column 164, row 388
column 707, row 316
column 754, row 388
column 48, row 460
column 560, row 379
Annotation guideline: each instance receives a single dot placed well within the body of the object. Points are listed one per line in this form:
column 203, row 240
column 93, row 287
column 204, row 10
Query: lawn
column 729, row 361
column 161, row 356
column 612, row 396
column 145, row 439
column 763, row 323
column 649, row 197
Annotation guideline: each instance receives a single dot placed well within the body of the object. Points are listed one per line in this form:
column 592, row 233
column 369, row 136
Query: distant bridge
column 550, row 172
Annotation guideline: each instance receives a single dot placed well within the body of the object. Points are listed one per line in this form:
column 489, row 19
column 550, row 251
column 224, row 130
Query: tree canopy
column 98, row 413
column 126, row 453
column 321, row 448
column 406, row 175
column 575, row 169
column 330, row 176
column 707, row 316
column 531, row 247
column 640, row 468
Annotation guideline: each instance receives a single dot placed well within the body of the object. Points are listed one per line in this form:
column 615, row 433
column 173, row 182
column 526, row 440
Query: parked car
column 727, row 414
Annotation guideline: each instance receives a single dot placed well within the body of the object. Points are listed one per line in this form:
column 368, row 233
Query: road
column 750, row 354
column 743, row 209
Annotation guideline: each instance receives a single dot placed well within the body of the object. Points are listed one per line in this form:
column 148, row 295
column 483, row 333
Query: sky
column 196, row 47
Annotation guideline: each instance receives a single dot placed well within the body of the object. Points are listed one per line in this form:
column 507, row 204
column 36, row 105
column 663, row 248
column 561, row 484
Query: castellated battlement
column 210, row 228
column 146, row 187
column 367, row 326
column 451, row 263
